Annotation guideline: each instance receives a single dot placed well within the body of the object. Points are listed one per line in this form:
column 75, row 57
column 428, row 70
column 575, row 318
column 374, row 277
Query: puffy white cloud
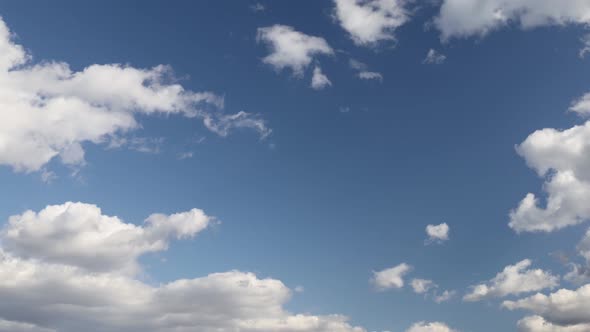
column 513, row 280
column 79, row 234
column 371, row 21
column 421, row 286
column 59, row 288
column 430, row 327
column 564, row 307
column 465, row 18
column 538, row 324
column 49, row 110
column 319, row 81
column 391, row 277
column 562, row 157
column 434, row 57
column 582, row 104
column 290, row 48
column 437, row 233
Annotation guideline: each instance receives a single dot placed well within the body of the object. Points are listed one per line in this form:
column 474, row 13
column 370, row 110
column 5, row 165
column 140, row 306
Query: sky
column 295, row 166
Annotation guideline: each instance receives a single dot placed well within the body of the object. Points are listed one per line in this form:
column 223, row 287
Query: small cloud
column 390, row 278
column 422, row 286
column 299, row 289
column 370, row 75
column 363, row 71
column 444, row 296
column 47, row 176
column 257, row 7
column 319, row 81
column 434, row 57
column 185, row 155
column 585, row 46
column 344, row 109
column 437, row 233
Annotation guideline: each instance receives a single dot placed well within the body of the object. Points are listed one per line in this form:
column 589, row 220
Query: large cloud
column 60, row 288
column 563, row 308
column 371, row 21
column 49, row 110
column 562, row 157
column 513, row 280
column 464, row 18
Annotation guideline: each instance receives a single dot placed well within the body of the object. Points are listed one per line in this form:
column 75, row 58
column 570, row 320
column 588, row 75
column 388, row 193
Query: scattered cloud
column 290, row 48
column 430, row 327
column 50, row 111
column 513, row 280
column 257, row 7
column 437, row 233
column 185, row 155
column 319, row 81
column 433, row 57
column 369, row 22
column 444, row 296
column 585, row 46
column 66, row 268
column 563, row 308
column 422, row 286
column 363, row 72
column 581, row 106
column 560, row 157
column 391, row 278
column 466, row 18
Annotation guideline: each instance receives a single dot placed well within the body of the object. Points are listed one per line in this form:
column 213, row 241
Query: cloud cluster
column 565, row 310
column 430, row 327
column 513, row 280
column 465, row 18
column 66, row 268
column 48, row 110
column 371, row 21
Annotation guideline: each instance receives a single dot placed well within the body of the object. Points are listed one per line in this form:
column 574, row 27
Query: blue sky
column 319, row 192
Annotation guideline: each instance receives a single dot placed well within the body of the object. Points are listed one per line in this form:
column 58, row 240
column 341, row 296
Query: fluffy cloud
column 538, row 324
column 391, row 277
column 59, row 288
column 430, row 327
column 371, row 21
column 49, row 110
column 513, row 280
column 562, row 158
column 465, row 18
column 582, row 104
column 79, row 234
column 319, row 81
column 290, row 48
column 437, row 233
column 433, row 57
column 563, row 308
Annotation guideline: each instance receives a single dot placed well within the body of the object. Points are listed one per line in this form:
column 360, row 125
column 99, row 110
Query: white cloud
column 422, row 286
column 370, row 75
column 51, row 283
column 437, row 233
column 444, row 296
column 465, row 18
column 371, row 21
column 582, row 105
column 391, row 277
column 563, row 308
column 79, row 234
column 290, row 48
column 434, row 57
column 585, row 46
column 430, row 327
column 50, row 111
column 257, row 7
column 513, row 280
column 319, row 81
column 561, row 157
column 538, row 324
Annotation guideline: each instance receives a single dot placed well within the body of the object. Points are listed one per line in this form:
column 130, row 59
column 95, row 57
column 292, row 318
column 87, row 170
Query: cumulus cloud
column 81, row 235
column 582, row 104
column 48, row 110
column 371, row 21
column 465, row 18
column 319, row 81
column 433, row 57
column 437, row 233
column 564, row 308
column 513, row 280
column 538, row 324
column 430, row 327
column 290, row 48
column 391, row 278
column 561, row 157
column 49, row 280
